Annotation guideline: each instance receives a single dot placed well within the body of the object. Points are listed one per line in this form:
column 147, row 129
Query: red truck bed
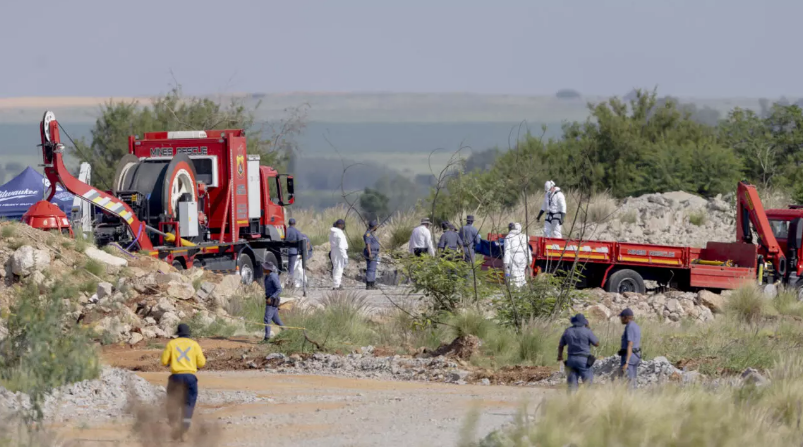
column 650, row 261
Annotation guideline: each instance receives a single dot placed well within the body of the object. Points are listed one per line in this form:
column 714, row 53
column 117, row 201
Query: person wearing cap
column 471, row 237
column 184, row 356
column 517, row 255
column 371, row 254
column 293, row 235
column 339, row 255
column 421, row 239
column 578, row 338
column 273, row 288
column 555, row 208
column 631, row 348
column 450, row 241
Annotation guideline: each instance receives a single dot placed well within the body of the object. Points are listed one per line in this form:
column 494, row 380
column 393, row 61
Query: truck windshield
column 780, row 229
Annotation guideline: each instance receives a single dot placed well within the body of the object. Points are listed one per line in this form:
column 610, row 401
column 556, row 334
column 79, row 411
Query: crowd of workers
column 184, row 356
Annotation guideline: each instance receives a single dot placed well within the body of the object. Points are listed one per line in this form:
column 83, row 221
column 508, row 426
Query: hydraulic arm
column 750, row 210
column 57, row 173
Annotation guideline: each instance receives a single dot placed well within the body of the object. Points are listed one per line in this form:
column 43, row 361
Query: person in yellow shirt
column 184, row 356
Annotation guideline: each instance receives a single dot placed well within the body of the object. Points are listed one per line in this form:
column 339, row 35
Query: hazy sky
column 685, row 47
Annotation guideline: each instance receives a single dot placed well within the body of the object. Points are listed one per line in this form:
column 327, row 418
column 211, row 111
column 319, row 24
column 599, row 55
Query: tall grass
column 747, row 304
column 316, row 223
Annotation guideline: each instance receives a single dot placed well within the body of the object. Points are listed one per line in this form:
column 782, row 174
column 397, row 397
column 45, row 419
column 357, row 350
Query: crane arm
column 750, row 210
column 57, row 173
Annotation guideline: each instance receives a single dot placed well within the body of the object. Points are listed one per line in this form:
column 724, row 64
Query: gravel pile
column 110, row 396
column 434, row 369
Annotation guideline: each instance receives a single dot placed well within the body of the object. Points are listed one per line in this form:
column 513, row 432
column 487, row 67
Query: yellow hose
column 704, row 262
column 172, row 237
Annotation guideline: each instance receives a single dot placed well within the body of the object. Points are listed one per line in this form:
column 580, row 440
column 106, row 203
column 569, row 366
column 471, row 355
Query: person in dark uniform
column 371, row 254
column 630, row 353
column 471, row 237
column 293, row 235
column 273, row 288
column 450, row 241
column 579, row 339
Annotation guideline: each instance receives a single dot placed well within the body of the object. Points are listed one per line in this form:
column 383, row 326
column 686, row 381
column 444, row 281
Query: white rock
column 104, row 290
column 770, row 291
column 163, row 306
column 712, row 301
column 180, row 290
column 148, row 332
column 598, row 312
column 135, row 338
column 102, row 256
column 27, row 260
column 169, row 322
column 673, row 306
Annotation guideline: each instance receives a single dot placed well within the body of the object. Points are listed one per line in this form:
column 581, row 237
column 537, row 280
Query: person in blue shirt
column 293, row 235
column 273, row 288
column 578, row 338
column 630, row 353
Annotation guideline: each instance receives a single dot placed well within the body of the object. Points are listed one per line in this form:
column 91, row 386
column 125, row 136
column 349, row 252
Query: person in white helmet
column 555, row 208
column 517, row 256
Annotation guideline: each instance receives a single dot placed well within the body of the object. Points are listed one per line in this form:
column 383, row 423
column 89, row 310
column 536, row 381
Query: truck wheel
column 178, row 265
column 625, row 281
column 246, row 268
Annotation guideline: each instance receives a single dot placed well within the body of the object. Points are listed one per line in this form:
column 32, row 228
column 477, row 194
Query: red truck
column 623, row 267
column 191, row 198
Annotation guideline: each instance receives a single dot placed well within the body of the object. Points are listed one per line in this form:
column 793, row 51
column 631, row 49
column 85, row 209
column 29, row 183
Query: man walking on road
column 631, row 348
column 470, row 237
column 555, row 208
column 579, row 339
column 293, row 235
column 338, row 246
column 184, row 356
column 371, row 254
column 421, row 239
column 273, row 288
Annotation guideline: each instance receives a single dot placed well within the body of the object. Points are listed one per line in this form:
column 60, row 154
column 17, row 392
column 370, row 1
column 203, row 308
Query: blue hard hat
column 291, row 221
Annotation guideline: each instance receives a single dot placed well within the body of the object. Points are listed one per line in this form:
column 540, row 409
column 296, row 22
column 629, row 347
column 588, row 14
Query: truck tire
column 246, row 266
column 625, row 281
column 178, row 265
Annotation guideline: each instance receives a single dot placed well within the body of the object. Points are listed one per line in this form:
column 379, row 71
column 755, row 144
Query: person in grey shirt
column 631, row 348
column 471, row 237
column 450, row 242
column 578, row 338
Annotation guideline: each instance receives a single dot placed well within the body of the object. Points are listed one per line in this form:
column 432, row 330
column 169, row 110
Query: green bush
column 786, row 303
column 698, row 218
column 543, row 296
column 94, row 267
column 747, row 303
column 41, row 352
column 218, row 328
column 9, row 230
column 446, row 282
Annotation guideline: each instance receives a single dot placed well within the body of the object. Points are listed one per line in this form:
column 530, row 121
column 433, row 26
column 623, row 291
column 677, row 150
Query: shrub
column 41, row 352
column 470, row 322
column 340, row 325
column 747, row 304
column 543, row 296
column 218, row 328
column 786, row 303
column 698, row 218
column 446, row 282
column 9, row 230
column 600, row 208
column 94, row 267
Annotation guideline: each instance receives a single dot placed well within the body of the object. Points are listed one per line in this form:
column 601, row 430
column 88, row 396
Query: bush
column 786, row 303
column 698, row 218
column 94, row 267
column 9, row 230
column 218, row 328
column 600, row 208
column 340, row 325
column 543, row 296
column 470, row 322
column 445, row 281
column 747, row 304
column 41, row 352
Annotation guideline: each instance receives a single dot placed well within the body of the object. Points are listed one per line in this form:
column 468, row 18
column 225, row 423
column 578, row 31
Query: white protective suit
column 339, row 254
column 554, row 204
column 299, row 276
column 518, row 255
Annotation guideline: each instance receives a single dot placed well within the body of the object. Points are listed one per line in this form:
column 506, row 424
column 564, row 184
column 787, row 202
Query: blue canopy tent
column 21, row 192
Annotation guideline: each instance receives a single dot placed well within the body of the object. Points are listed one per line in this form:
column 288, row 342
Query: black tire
column 246, row 266
column 625, row 281
column 178, row 265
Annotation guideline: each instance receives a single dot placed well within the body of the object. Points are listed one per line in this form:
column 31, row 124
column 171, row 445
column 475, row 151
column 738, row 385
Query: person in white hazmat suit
column 555, row 208
column 338, row 244
column 299, row 274
column 518, row 255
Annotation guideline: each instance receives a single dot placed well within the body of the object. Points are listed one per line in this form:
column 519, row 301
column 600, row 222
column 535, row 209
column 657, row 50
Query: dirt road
column 332, row 411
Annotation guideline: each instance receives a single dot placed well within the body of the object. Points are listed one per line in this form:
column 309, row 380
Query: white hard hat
column 548, row 185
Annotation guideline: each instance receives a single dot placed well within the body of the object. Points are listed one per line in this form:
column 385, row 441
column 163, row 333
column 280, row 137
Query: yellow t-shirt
column 184, row 356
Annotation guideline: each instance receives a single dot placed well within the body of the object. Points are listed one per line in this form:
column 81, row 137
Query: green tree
column 174, row 111
column 374, row 204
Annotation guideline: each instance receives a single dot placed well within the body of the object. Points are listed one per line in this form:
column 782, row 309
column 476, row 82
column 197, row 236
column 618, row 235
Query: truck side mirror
column 290, row 188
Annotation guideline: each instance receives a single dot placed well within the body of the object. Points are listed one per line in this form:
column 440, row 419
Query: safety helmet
column 549, row 185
